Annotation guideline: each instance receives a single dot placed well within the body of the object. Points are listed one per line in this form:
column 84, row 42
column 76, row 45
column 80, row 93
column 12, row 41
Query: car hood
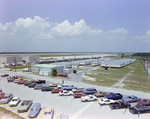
column 13, row 102
column 47, row 117
column 3, row 100
column 126, row 99
column 23, row 107
column 32, row 113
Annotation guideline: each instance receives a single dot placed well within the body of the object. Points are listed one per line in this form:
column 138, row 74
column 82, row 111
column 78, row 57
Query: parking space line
column 28, row 112
column 42, row 114
column 17, row 109
column 81, row 110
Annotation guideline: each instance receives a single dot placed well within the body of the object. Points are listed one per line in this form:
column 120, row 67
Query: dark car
column 9, row 79
column 119, row 105
column 31, row 85
column 46, row 88
column 40, row 81
column 78, row 95
column 137, row 109
column 131, row 98
column 63, row 74
column 114, row 96
column 144, row 102
column 89, row 91
column 27, row 83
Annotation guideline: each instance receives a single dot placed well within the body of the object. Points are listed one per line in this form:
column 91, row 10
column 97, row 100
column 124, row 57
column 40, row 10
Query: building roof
column 45, row 65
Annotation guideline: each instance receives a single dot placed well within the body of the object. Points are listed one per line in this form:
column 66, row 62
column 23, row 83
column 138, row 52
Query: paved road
column 74, row 108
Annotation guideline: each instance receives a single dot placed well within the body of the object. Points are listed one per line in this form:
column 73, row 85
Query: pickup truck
column 89, row 91
column 114, row 96
column 66, row 87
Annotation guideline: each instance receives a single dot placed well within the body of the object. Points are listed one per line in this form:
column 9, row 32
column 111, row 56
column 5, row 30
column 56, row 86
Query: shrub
column 54, row 72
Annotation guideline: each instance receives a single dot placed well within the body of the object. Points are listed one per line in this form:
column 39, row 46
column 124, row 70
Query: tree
column 54, row 72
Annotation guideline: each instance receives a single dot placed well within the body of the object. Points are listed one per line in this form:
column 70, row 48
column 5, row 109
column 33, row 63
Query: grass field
column 6, row 114
column 136, row 77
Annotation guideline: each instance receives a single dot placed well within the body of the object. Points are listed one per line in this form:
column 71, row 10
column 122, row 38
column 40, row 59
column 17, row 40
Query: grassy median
column 134, row 77
column 6, row 114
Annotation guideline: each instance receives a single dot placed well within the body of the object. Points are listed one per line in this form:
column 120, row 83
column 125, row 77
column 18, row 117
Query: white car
column 16, row 80
column 14, row 102
column 65, row 93
column 88, row 98
column 106, row 101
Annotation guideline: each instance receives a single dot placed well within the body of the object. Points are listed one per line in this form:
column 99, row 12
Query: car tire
column 86, row 100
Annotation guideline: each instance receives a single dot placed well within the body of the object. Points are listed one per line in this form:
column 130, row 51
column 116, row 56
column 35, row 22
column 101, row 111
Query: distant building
column 10, row 59
column 30, row 58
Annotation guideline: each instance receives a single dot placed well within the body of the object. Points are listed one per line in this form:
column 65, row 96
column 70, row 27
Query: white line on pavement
column 81, row 110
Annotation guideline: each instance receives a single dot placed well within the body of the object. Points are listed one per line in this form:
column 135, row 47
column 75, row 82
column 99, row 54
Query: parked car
column 46, row 88
column 54, row 84
column 14, row 102
column 2, row 94
column 88, row 98
column 63, row 74
column 25, row 105
column 144, row 102
column 89, row 91
column 78, row 95
column 67, row 87
column 78, row 89
column 34, row 110
column 119, row 105
column 4, row 75
column 105, row 101
column 6, row 98
column 31, row 85
column 101, row 93
column 27, row 83
column 137, row 109
column 10, row 79
column 56, row 90
column 21, row 82
column 131, row 98
column 114, row 96
column 32, row 79
column 0, row 89
column 16, row 80
column 64, row 117
column 38, row 87
column 48, row 113
column 65, row 93
column 40, row 81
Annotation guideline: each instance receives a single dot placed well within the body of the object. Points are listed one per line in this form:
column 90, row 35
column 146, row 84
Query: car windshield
column 33, row 109
column 4, row 97
column 47, row 113
column 14, row 99
column 24, row 104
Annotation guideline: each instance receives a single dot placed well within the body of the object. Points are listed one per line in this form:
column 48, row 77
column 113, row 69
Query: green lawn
column 136, row 80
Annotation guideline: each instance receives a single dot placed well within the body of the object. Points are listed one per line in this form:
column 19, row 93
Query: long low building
column 10, row 59
column 118, row 63
column 46, row 68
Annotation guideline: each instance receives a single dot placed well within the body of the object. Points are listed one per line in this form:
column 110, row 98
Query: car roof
column 15, row 97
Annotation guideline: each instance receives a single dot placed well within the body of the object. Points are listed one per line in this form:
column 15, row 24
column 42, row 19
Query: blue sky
column 75, row 25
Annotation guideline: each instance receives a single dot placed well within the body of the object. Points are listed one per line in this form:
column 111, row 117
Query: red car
column 4, row 75
column 2, row 94
column 78, row 95
column 144, row 102
column 63, row 74
column 21, row 82
column 56, row 90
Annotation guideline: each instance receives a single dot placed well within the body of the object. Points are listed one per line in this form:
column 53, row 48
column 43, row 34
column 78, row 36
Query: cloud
column 39, row 29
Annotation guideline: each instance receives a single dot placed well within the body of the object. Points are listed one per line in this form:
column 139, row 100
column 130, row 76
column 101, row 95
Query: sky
column 74, row 25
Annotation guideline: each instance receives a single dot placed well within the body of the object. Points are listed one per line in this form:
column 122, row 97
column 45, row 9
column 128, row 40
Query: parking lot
column 67, row 105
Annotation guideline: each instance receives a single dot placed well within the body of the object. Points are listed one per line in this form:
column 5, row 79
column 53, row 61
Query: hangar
column 118, row 63
column 30, row 58
column 46, row 69
column 10, row 59
column 65, row 64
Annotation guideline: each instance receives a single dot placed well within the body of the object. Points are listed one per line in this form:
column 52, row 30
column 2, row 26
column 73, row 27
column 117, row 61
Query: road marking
column 81, row 110
column 27, row 113
column 17, row 109
column 42, row 114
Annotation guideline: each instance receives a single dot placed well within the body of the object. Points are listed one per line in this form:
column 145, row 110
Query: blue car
column 131, row 98
column 114, row 96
